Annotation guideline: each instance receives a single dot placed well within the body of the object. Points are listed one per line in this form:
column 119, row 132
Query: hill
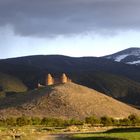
column 64, row 101
column 118, row 87
column 10, row 84
column 115, row 79
column 127, row 56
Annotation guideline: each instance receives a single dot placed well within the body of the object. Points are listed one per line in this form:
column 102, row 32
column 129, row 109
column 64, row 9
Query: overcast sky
column 68, row 27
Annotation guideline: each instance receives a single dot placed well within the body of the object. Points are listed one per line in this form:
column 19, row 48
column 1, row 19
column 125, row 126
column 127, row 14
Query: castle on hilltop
column 50, row 80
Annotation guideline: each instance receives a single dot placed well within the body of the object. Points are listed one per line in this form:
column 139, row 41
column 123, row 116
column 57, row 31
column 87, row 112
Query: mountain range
column 119, row 80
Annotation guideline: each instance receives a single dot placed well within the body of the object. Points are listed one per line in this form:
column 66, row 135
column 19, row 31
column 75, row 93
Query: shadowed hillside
column 65, row 101
column 10, row 84
column 118, row 87
column 58, row 64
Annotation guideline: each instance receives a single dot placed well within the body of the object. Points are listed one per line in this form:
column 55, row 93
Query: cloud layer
column 65, row 17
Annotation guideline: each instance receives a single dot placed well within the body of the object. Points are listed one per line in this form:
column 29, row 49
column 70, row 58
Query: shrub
column 73, row 122
column 115, row 122
column 92, row 120
column 106, row 121
column 52, row 122
column 21, row 121
column 135, row 120
column 125, row 122
column 2, row 122
column 10, row 121
column 35, row 121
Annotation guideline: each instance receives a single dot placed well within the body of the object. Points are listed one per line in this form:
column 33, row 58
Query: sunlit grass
column 128, row 135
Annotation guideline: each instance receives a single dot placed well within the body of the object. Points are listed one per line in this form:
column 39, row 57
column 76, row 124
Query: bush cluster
column 50, row 122
column 132, row 120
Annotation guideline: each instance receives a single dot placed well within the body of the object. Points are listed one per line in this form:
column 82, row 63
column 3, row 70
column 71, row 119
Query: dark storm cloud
column 53, row 17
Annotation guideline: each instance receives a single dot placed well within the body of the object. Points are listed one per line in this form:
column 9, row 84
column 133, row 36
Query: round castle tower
column 64, row 78
column 49, row 80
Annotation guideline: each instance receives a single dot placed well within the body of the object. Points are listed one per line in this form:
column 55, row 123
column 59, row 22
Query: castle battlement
column 50, row 80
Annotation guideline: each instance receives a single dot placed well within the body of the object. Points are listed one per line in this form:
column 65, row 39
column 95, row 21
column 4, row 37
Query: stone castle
column 50, row 80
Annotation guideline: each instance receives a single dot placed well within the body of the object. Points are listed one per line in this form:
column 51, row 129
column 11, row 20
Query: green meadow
column 115, row 134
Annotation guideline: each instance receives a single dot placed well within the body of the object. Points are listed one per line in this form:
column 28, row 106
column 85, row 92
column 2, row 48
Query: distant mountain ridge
column 115, row 79
column 127, row 56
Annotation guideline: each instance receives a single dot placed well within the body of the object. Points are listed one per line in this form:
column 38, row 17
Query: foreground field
column 40, row 133
column 115, row 134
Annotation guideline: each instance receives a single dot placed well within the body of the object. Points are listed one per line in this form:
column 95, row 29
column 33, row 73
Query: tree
column 106, row 121
column 92, row 120
column 35, row 121
column 73, row 122
column 21, row 121
column 10, row 121
column 135, row 120
column 125, row 122
column 2, row 122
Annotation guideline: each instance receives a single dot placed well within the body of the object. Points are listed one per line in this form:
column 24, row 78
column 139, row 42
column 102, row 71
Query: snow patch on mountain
column 120, row 57
column 134, row 62
column 127, row 56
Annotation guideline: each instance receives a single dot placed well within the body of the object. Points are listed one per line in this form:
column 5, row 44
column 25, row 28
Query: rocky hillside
column 65, row 101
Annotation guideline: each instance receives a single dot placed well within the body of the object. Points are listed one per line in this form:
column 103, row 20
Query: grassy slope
column 64, row 101
column 10, row 84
